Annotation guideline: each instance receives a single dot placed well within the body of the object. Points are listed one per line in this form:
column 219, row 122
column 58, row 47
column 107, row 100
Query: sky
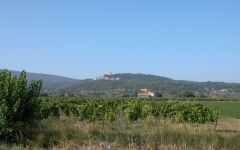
column 185, row 40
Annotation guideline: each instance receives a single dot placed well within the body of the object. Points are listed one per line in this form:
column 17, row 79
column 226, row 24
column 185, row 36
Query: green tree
column 19, row 104
column 185, row 94
column 157, row 94
column 135, row 93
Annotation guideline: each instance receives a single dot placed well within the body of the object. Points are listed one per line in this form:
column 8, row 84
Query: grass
column 150, row 133
column 227, row 108
column 72, row 133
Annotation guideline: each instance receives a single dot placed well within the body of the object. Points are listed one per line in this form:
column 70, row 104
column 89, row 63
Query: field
column 227, row 108
column 72, row 133
column 67, row 129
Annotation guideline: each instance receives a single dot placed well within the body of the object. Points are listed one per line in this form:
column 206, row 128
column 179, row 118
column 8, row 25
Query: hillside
column 129, row 83
column 51, row 83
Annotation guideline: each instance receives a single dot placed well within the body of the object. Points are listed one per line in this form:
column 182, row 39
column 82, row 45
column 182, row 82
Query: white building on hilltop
column 108, row 76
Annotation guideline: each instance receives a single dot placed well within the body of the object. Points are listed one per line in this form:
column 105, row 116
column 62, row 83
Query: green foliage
column 19, row 104
column 227, row 108
column 185, row 94
column 157, row 94
column 134, row 111
column 195, row 113
column 111, row 108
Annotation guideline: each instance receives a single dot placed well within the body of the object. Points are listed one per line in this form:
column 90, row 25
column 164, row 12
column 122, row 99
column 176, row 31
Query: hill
column 129, row 83
column 51, row 83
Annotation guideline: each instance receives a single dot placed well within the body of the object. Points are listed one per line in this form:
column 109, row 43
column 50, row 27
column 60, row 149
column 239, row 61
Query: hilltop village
column 108, row 76
column 142, row 93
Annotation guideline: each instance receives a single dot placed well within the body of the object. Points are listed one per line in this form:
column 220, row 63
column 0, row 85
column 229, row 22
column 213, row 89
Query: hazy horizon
column 182, row 40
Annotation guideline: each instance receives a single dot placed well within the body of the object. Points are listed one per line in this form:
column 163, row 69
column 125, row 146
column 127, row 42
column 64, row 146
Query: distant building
column 108, row 76
column 145, row 93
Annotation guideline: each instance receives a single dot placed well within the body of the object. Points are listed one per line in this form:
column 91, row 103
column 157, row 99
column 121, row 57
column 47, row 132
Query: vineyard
column 111, row 108
column 30, row 121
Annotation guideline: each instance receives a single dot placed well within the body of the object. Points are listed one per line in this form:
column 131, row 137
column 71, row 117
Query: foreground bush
column 19, row 104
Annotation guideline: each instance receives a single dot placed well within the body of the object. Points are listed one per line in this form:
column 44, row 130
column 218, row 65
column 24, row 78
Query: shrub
column 186, row 94
column 135, row 111
column 19, row 104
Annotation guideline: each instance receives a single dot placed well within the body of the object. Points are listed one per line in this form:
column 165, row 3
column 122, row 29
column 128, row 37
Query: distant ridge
column 129, row 83
column 51, row 83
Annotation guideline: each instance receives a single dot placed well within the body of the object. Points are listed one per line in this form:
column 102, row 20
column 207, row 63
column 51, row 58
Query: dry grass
column 144, row 134
column 93, row 145
column 69, row 133
column 229, row 125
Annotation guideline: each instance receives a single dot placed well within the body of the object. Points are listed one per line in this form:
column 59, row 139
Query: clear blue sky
column 181, row 39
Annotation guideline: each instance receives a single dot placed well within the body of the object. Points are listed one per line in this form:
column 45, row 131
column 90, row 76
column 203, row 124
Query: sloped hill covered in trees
column 129, row 83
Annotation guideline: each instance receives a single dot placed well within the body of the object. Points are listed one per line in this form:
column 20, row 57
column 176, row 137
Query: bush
column 19, row 104
column 157, row 94
column 135, row 111
column 185, row 94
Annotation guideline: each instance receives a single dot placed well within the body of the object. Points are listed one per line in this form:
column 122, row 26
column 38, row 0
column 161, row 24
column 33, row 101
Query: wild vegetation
column 19, row 105
column 68, row 132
